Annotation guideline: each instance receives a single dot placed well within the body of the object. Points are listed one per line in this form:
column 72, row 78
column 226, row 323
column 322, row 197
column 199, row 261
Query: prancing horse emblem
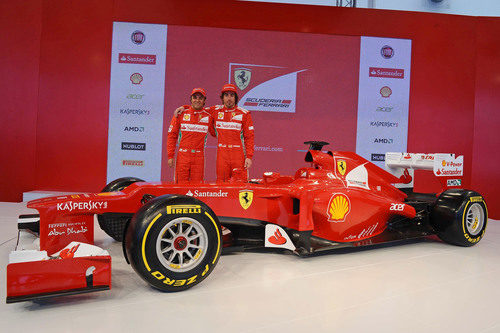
column 242, row 77
column 341, row 167
column 246, row 198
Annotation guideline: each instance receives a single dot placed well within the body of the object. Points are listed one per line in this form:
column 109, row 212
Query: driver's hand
column 170, row 162
column 248, row 163
column 178, row 111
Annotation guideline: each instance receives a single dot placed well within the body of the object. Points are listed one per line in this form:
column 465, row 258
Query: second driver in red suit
column 235, row 134
column 192, row 124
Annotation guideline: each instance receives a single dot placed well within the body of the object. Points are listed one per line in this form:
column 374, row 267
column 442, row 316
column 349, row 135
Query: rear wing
column 447, row 167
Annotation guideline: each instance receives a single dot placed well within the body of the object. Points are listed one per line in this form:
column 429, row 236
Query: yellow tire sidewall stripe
column 218, row 237
column 144, row 242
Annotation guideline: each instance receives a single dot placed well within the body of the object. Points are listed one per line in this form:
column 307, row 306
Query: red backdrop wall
column 486, row 140
column 55, row 81
column 21, row 23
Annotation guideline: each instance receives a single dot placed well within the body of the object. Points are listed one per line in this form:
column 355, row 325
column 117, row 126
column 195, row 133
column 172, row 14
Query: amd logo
column 383, row 140
column 133, row 129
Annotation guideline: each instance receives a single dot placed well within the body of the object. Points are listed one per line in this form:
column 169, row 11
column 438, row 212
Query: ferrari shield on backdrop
column 136, row 100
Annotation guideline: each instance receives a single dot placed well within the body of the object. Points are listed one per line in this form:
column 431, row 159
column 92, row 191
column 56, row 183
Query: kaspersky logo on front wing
column 88, row 205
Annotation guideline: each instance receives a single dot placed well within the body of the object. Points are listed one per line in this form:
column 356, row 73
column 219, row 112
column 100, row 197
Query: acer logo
column 384, row 108
column 397, row 207
column 135, row 96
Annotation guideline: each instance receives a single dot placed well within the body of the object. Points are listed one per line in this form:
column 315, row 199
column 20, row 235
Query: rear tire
column 114, row 224
column 460, row 217
column 173, row 242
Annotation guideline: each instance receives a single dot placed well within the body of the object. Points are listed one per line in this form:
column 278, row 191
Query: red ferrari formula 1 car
column 173, row 234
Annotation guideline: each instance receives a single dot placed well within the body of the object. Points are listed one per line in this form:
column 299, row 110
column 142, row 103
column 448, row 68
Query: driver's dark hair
column 235, row 97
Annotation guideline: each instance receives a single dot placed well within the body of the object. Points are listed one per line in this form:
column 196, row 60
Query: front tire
column 173, row 242
column 460, row 217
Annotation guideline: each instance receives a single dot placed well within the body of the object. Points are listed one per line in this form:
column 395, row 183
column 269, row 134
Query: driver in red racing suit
column 193, row 125
column 235, row 134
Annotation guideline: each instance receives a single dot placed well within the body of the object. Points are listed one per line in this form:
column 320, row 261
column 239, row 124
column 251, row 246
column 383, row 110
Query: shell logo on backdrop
column 338, row 207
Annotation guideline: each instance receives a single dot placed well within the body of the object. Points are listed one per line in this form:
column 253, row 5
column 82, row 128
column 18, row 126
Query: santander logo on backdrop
column 394, row 73
column 143, row 59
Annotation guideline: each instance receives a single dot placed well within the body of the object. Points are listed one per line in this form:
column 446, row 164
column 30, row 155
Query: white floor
column 425, row 286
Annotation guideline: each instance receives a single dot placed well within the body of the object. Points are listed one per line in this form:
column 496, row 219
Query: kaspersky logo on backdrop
column 265, row 87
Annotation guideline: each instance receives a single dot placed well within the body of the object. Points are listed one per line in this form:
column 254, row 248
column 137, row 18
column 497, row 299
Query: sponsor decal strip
column 184, row 209
column 143, row 59
column 194, row 128
column 228, row 125
column 89, row 205
column 394, row 73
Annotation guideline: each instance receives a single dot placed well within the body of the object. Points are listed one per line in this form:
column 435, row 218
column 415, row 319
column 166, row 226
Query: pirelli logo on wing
column 184, row 209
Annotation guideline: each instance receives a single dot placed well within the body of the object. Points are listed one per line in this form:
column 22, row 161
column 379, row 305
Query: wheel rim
column 475, row 219
column 182, row 244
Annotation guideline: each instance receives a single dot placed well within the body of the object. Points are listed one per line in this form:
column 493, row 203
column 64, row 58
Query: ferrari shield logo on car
column 246, row 198
column 341, row 167
column 242, row 77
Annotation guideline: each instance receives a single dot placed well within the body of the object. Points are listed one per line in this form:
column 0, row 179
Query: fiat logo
column 138, row 37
